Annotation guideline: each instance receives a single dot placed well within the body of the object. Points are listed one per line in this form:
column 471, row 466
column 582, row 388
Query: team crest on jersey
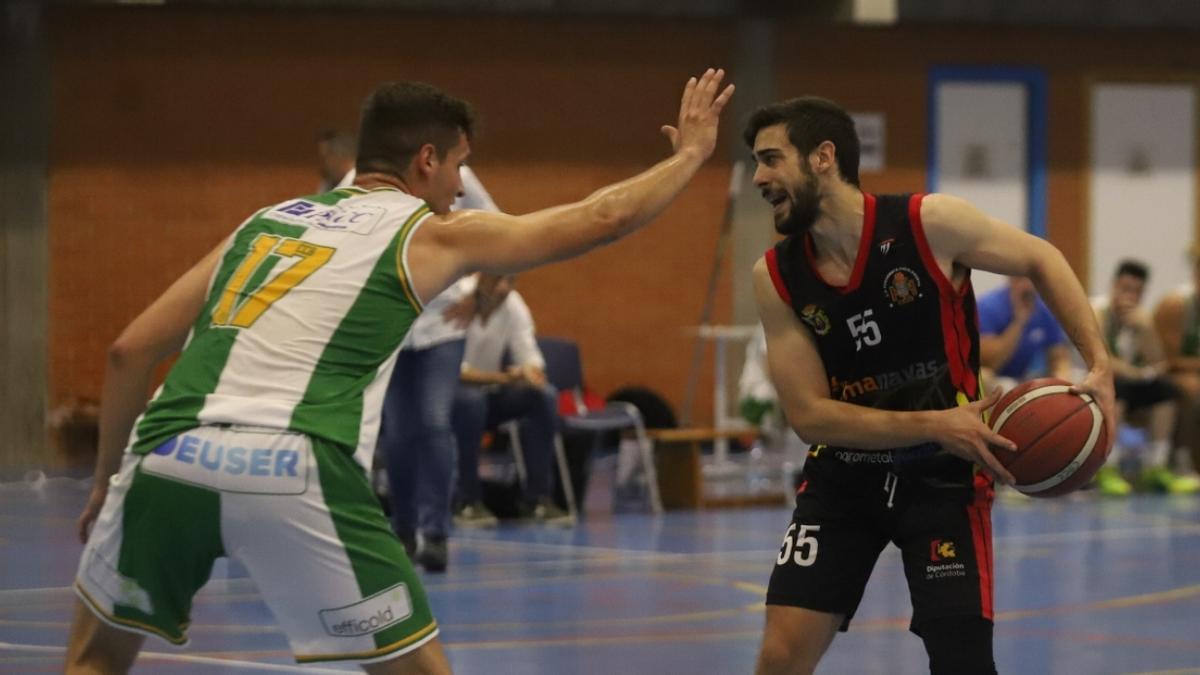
column 902, row 286
column 816, row 318
column 885, row 246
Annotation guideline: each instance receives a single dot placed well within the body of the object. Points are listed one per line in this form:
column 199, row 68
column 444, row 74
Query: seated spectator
column 489, row 395
column 1177, row 319
column 1018, row 336
column 1145, row 394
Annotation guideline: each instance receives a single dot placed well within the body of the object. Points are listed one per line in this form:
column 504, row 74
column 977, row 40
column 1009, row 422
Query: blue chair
column 564, row 370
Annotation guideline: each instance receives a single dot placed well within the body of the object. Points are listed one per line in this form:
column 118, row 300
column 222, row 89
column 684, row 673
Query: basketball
column 1061, row 437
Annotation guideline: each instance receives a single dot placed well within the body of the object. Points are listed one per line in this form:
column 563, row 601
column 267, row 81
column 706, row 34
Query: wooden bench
column 680, row 476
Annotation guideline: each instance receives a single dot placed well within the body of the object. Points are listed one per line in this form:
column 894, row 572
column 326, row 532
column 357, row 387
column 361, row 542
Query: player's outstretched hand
column 700, row 114
column 961, row 432
column 1099, row 384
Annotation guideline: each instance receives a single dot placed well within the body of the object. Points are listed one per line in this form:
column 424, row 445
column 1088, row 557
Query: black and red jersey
column 898, row 335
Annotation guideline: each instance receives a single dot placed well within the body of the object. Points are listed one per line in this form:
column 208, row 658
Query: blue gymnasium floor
column 1084, row 586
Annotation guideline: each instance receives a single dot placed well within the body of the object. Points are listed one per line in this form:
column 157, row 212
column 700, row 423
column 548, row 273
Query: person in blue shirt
column 1019, row 338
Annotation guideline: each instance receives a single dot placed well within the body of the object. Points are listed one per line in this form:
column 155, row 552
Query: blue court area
column 1084, row 586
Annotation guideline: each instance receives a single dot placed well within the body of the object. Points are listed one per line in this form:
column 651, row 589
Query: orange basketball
column 1061, row 437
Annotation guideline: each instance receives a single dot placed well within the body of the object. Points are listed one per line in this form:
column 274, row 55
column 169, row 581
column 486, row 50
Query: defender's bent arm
column 155, row 334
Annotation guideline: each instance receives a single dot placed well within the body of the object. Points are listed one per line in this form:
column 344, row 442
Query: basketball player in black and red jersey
column 873, row 344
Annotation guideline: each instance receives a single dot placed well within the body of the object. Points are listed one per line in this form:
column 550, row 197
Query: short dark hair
column 400, row 117
column 811, row 121
column 1133, row 268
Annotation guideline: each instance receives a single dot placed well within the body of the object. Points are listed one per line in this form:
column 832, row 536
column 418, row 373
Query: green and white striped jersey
column 301, row 325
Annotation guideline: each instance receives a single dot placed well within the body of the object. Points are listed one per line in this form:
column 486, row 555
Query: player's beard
column 805, row 207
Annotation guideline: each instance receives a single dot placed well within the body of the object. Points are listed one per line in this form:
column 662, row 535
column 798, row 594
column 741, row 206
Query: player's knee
column 780, row 655
column 959, row 646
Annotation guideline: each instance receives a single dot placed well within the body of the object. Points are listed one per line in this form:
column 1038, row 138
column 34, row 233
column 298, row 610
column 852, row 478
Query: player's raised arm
column 959, row 233
column 467, row 241
column 802, row 384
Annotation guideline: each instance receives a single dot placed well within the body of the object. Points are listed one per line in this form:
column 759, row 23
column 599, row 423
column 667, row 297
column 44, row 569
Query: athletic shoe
column 433, row 555
column 410, row 543
column 1162, row 479
column 546, row 512
column 475, row 515
column 1110, row 483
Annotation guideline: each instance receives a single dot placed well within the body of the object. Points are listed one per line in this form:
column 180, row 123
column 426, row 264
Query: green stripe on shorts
column 170, row 536
column 376, row 556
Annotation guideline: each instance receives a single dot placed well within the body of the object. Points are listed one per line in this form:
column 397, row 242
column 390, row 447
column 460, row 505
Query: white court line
column 625, row 556
column 479, row 542
column 16, row 596
column 19, row 596
column 186, row 658
column 1133, row 532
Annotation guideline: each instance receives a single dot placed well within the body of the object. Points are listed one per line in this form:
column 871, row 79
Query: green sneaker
column 474, row 515
column 1162, row 479
column 1110, row 483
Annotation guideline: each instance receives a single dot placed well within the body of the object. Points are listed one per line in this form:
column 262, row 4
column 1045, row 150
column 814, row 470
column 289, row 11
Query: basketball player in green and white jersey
column 1177, row 319
column 255, row 445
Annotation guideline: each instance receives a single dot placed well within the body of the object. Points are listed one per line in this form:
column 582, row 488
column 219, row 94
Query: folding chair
column 565, row 371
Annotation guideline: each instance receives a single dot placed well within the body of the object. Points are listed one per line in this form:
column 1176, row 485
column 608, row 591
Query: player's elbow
column 806, row 424
column 119, row 352
column 609, row 215
column 125, row 351
column 1044, row 258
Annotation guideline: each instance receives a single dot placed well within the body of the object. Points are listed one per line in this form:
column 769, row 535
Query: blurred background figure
column 491, row 394
column 1019, row 338
column 1177, row 319
column 336, row 150
column 757, row 400
column 758, row 404
column 417, row 444
column 1146, row 398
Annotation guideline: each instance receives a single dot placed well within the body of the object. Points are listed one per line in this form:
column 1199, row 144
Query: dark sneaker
column 475, row 515
column 433, row 555
column 410, row 543
column 547, row 512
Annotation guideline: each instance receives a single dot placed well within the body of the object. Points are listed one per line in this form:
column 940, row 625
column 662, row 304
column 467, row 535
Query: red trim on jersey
column 979, row 515
column 864, row 249
column 970, row 377
column 776, row 277
column 955, row 334
column 918, row 229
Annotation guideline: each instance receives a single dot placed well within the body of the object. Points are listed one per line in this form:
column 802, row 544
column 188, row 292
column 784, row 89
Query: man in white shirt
column 416, row 439
column 490, row 394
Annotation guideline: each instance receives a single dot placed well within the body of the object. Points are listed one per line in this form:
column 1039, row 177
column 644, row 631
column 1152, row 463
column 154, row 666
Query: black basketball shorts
column 846, row 515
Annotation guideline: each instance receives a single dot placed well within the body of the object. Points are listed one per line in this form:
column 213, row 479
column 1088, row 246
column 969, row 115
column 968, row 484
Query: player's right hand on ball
column 700, row 114
column 962, row 432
